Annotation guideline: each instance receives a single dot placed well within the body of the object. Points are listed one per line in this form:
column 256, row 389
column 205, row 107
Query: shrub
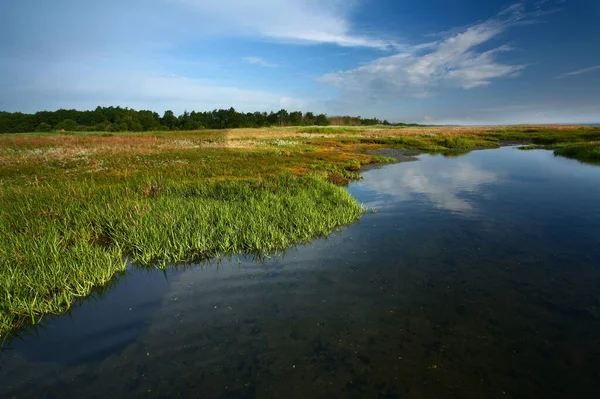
column 43, row 127
column 68, row 125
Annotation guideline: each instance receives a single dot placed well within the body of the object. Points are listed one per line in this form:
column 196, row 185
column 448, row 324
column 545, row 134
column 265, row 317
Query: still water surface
column 478, row 277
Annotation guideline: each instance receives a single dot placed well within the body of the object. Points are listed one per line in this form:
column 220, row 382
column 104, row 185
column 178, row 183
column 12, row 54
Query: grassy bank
column 584, row 152
column 582, row 144
column 73, row 206
column 61, row 241
column 589, row 152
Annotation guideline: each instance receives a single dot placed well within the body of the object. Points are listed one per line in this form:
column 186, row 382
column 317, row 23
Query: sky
column 425, row 61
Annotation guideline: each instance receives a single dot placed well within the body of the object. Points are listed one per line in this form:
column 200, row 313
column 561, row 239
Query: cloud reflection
column 444, row 182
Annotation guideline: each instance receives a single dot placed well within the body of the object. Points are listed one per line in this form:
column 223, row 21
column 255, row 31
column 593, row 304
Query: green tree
column 169, row 120
column 69, row 125
column 309, row 118
column 322, row 120
column 149, row 120
column 43, row 127
column 296, row 118
column 103, row 127
column 283, row 117
column 272, row 118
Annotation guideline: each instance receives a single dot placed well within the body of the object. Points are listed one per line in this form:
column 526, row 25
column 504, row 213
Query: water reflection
column 112, row 318
column 449, row 184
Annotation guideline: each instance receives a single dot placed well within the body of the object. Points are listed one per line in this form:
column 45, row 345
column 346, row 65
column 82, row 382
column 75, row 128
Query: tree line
column 117, row 119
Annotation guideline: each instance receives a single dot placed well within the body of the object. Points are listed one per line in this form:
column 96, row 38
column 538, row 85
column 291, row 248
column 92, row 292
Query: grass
column 528, row 147
column 332, row 129
column 76, row 207
column 60, row 241
column 583, row 147
column 587, row 152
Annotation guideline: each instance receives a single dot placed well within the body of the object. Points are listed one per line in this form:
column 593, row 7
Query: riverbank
column 76, row 207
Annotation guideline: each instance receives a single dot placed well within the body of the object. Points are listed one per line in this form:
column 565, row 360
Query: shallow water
column 478, row 277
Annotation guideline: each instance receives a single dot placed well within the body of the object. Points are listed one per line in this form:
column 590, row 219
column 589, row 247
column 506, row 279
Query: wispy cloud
column 579, row 72
column 540, row 4
column 260, row 61
column 453, row 61
column 300, row 21
column 547, row 7
column 82, row 86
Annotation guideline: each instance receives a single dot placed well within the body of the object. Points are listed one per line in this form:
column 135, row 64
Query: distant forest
column 117, row 119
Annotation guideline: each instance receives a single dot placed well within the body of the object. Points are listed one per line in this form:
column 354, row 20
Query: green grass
column 60, row 241
column 547, row 135
column 331, row 129
column 458, row 142
column 588, row 152
column 429, row 142
column 384, row 159
column 582, row 144
column 529, row 147
column 584, row 148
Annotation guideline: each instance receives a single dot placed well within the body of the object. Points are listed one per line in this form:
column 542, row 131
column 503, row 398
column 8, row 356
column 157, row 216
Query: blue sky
column 434, row 61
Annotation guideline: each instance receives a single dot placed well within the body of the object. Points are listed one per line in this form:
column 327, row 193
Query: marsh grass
column 588, row 152
column 76, row 207
column 60, row 241
column 529, row 147
column 331, row 129
column 583, row 147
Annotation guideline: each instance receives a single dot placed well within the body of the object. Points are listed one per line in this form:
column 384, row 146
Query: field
column 76, row 208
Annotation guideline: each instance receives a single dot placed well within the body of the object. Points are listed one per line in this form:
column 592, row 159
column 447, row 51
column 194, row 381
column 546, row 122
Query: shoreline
column 410, row 155
column 73, row 205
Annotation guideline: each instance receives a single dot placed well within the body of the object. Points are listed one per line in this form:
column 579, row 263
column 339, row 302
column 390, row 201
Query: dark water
column 478, row 277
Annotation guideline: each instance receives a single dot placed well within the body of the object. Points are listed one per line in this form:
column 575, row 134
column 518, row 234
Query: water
column 478, row 277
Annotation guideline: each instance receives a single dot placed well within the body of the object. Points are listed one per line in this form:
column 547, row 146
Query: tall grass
column 588, row 152
column 544, row 135
column 59, row 241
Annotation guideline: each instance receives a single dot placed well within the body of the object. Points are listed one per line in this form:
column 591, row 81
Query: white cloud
column 292, row 104
column 260, row 61
column 454, row 61
column 580, row 71
column 303, row 21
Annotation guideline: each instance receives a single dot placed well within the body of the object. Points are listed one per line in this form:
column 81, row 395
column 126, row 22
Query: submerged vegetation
column 76, row 207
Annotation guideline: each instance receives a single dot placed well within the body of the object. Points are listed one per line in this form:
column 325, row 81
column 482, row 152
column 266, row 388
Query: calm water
column 478, row 277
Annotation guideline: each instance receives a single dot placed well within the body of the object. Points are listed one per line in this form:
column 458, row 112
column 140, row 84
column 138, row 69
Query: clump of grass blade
column 61, row 241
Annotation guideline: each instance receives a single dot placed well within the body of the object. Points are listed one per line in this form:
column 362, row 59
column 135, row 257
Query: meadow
column 77, row 208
